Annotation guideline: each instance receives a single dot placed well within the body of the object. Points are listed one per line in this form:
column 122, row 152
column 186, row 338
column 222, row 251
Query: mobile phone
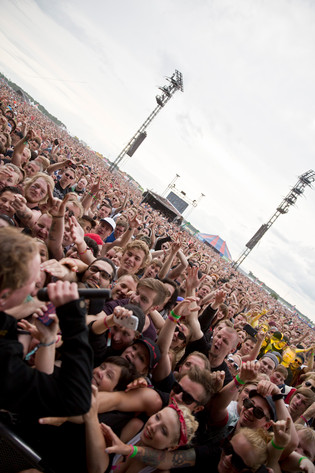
column 56, row 142
column 250, row 330
column 128, row 322
column 45, row 319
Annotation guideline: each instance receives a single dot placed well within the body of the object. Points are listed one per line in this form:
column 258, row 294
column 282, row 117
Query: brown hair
column 140, row 245
column 203, row 377
column 157, row 286
column 17, row 250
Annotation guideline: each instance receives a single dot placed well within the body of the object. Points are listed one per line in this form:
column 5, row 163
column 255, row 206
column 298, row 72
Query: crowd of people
column 183, row 362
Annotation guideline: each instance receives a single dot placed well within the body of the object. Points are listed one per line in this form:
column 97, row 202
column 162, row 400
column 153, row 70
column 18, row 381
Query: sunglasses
column 181, row 335
column 104, row 274
column 236, row 460
column 69, row 175
column 186, row 397
column 257, row 411
column 309, row 385
column 298, row 362
column 232, row 362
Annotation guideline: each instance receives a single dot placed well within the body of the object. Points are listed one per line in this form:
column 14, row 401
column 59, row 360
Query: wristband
column 172, row 319
column 276, row 446
column 177, row 317
column 305, row 420
column 58, row 339
column 105, row 323
column 238, row 379
column 32, row 352
column 303, row 458
column 134, row 451
column 83, row 252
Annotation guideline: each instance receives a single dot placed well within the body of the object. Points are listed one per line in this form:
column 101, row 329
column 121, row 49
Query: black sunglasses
column 180, row 335
column 186, row 397
column 309, row 385
column 257, row 411
column 236, row 460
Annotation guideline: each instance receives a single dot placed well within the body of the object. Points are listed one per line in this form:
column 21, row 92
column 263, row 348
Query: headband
column 183, row 429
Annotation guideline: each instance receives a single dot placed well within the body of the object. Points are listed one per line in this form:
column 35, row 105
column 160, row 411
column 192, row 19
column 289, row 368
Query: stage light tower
column 305, row 179
column 175, row 83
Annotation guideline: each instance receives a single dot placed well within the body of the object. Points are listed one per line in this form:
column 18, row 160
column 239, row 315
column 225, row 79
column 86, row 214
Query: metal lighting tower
column 175, row 83
column 170, row 185
column 193, row 204
column 305, row 179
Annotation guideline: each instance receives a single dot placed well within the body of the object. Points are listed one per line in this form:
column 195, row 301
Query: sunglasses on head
column 309, row 385
column 180, row 335
column 257, row 411
column 186, row 397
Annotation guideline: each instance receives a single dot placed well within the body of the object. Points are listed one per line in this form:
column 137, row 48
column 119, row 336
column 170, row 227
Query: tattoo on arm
column 166, row 460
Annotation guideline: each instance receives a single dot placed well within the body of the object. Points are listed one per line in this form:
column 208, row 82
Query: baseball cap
column 95, row 237
column 153, row 349
column 110, row 222
column 268, row 399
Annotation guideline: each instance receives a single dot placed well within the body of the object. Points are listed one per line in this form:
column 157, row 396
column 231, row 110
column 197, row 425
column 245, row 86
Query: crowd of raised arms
column 186, row 364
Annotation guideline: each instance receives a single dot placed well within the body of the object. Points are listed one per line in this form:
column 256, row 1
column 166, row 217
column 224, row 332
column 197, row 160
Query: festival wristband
column 302, row 458
column 134, row 451
column 238, row 379
column 276, row 446
column 305, row 420
column 177, row 317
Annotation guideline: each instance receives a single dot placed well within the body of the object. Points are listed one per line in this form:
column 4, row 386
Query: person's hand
column 307, row 466
column 77, row 232
column 55, row 268
column 267, row 388
column 117, row 446
column 39, row 331
column 30, row 135
column 57, row 206
column 119, row 314
column 185, row 307
column 192, row 279
column 310, row 411
column 248, row 371
column 62, row 292
column 217, row 380
column 282, row 432
column 95, row 187
column 219, row 297
column 134, row 222
column 137, row 383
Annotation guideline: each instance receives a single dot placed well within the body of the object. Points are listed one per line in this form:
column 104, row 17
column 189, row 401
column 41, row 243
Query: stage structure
column 175, row 83
column 179, row 198
column 305, row 179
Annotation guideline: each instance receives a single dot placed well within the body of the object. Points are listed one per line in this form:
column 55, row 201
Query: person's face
column 8, row 178
column 121, row 337
column 247, row 418
column 296, row 363
column 82, row 184
column 247, row 347
column 124, row 285
column 203, row 291
column 244, row 394
column 119, row 231
column 6, row 200
column 114, row 256
column 25, row 155
column 306, row 447
column 161, row 431
column 221, row 344
column 151, row 271
column 138, row 355
column 87, row 226
column 189, row 393
column 37, row 191
column 233, row 363
column 103, row 229
column 266, row 366
column 43, row 251
column 131, row 260
column 297, row 405
column 241, row 335
column 106, row 377
column 99, row 274
column 309, row 384
column 191, row 360
column 241, row 451
column 67, row 178
column 180, row 336
column 41, row 227
column 144, row 298
column 104, row 212
column 16, row 297
column 277, row 378
column 31, row 168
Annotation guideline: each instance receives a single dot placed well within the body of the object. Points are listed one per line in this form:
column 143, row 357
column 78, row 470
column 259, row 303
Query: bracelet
column 134, row 451
column 177, row 317
column 237, row 384
column 92, row 195
column 276, row 446
column 305, row 420
column 303, row 458
column 32, row 352
column 58, row 339
column 83, row 252
column 238, row 379
column 105, row 323
column 172, row 319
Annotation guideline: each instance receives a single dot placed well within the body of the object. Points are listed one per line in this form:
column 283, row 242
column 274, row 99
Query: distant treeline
column 30, row 99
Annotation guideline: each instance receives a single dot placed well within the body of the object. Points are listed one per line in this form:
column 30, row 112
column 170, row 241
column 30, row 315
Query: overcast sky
column 242, row 132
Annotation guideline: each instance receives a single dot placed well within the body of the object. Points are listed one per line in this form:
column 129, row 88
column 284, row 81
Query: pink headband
column 183, row 429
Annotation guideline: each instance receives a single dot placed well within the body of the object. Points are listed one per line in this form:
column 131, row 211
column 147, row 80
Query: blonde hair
column 48, row 179
column 17, row 250
column 258, row 439
column 139, row 245
column 190, row 422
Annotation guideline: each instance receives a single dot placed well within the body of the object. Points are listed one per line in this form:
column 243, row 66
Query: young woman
column 168, row 429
